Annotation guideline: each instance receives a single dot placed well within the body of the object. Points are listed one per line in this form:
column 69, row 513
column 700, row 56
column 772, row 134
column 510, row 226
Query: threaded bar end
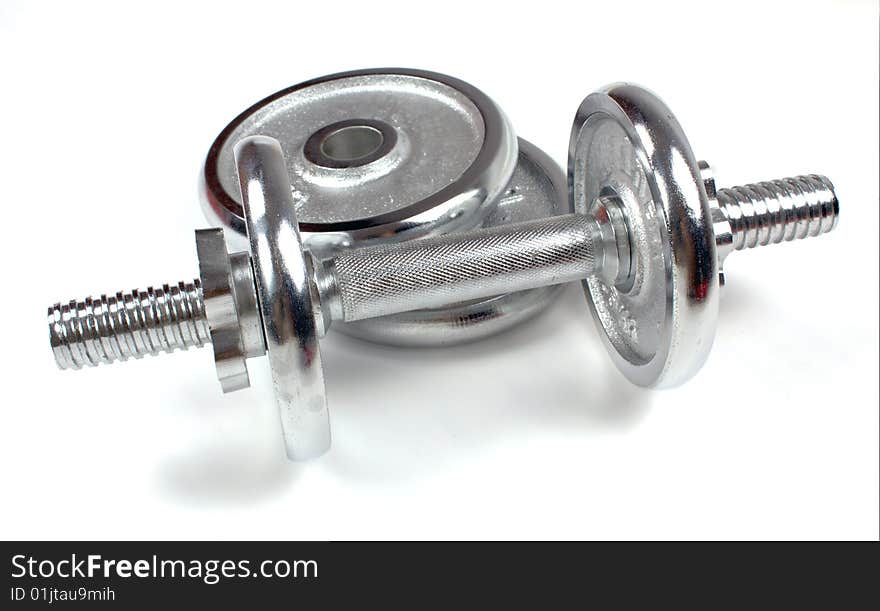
column 779, row 210
column 125, row 325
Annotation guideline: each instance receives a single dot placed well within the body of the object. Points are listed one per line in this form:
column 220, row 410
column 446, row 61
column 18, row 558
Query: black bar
column 419, row 575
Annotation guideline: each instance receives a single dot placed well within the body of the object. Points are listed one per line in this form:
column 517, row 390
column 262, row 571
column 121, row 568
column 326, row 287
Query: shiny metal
column 249, row 322
column 221, row 310
column 432, row 272
column 413, row 125
column 626, row 143
column 452, row 152
column 779, row 210
column 659, row 325
column 536, row 190
column 284, row 293
column 351, row 143
column 648, row 239
column 125, row 325
column 295, row 310
column 456, row 324
column 770, row 212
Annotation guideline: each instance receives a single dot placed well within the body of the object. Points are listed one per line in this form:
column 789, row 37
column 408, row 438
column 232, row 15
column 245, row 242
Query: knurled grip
column 434, row 272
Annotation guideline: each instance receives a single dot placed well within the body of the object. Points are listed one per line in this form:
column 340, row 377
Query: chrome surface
column 249, row 322
column 350, row 144
column 128, row 325
column 432, row 272
column 659, row 323
column 446, row 154
column 284, row 292
column 536, row 190
column 777, row 211
column 610, row 216
column 626, row 143
column 457, row 324
column 649, row 237
column 221, row 310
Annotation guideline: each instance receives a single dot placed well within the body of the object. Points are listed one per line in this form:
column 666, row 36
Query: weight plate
column 385, row 155
column 373, row 155
column 626, row 143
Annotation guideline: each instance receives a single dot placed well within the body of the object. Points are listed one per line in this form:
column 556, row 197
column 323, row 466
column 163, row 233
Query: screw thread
column 779, row 210
column 126, row 325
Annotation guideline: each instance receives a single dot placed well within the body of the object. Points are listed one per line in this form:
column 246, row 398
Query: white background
column 107, row 114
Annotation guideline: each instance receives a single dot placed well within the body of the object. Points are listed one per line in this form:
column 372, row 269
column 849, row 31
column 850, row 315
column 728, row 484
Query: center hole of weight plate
column 349, row 144
column 352, row 143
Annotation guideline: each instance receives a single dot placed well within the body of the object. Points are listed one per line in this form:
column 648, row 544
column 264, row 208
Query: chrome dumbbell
column 648, row 239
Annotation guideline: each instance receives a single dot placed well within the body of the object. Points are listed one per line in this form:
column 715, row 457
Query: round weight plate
column 625, row 143
column 537, row 190
column 373, row 155
column 281, row 278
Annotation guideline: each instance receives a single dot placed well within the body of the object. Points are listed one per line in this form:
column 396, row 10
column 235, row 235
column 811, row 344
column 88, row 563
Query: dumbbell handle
column 380, row 280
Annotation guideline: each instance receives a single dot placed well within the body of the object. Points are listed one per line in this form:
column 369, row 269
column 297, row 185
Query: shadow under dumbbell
column 400, row 413
column 227, row 474
column 237, row 456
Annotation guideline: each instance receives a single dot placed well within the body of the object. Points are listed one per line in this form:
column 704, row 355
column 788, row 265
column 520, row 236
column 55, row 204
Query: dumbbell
column 648, row 239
